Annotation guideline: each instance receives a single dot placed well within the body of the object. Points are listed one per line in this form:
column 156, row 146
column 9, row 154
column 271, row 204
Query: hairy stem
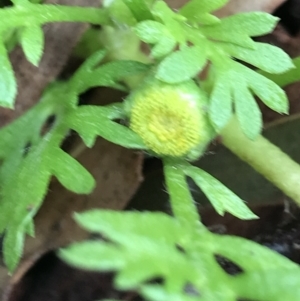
column 182, row 201
column 264, row 157
column 39, row 14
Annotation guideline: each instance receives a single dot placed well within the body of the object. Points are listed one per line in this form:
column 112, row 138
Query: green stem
column 38, row 14
column 123, row 44
column 264, row 157
column 182, row 201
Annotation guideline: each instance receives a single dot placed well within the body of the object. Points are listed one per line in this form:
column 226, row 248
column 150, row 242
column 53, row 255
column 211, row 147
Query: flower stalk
column 265, row 157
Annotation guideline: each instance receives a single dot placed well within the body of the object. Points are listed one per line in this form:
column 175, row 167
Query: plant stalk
column 265, row 158
column 182, row 202
column 39, row 14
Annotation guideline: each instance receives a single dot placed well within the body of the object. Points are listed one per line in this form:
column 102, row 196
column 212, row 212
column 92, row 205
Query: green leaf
column 32, row 41
column 237, row 84
column 251, row 23
column 119, row 13
column 164, row 47
column 89, row 122
column 159, row 293
column 13, row 242
column 22, row 195
column 194, row 6
column 153, row 258
column 262, row 281
column 271, row 94
column 25, row 188
column 139, row 9
column 223, row 199
column 71, row 174
column 260, row 265
column 8, row 86
column 248, row 112
column 106, row 75
column 156, row 33
column 93, row 255
column 182, row 65
column 289, row 77
column 25, row 176
column 20, row 2
column 198, row 10
column 116, row 225
column 170, row 19
column 239, row 28
column 232, row 39
column 90, row 63
column 186, row 267
column 242, row 252
column 151, row 31
column 220, row 107
column 29, row 229
column 265, row 57
column 13, row 247
column 30, row 156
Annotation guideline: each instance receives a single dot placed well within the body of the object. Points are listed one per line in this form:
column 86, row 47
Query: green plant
column 172, row 113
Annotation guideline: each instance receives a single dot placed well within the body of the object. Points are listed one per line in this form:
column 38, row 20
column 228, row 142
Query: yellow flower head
column 169, row 118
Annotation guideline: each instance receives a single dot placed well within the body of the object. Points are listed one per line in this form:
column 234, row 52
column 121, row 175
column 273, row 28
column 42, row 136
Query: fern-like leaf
column 29, row 164
column 27, row 18
column 199, row 11
column 237, row 85
column 165, row 245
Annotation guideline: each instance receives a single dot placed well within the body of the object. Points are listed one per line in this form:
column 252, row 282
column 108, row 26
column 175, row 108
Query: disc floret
column 169, row 118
